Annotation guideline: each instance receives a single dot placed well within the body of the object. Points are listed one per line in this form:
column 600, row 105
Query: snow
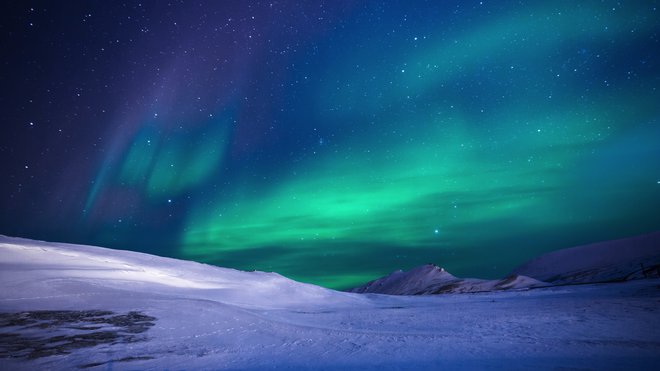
column 616, row 260
column 112, row 268
column 178, row 315
column 431, row 279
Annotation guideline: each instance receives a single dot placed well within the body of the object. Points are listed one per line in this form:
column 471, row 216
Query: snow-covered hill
column 37, row 265
column 431, row 279
column 66, row 307
column 617, row 260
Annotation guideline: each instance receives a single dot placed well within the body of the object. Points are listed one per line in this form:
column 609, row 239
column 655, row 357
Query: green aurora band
column 428, row 174
column 477, row 143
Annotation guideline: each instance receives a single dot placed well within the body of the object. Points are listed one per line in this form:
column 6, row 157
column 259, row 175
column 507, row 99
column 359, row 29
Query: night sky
column 332, row 142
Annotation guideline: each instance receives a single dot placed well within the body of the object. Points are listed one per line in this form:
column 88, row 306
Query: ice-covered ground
column 67, row 306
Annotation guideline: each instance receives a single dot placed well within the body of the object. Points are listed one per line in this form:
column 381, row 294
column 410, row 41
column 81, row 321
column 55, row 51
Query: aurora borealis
column 332, row 142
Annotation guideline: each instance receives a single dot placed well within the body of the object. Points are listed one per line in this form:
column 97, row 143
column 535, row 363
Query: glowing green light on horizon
column 432, row 173
column 399, row 192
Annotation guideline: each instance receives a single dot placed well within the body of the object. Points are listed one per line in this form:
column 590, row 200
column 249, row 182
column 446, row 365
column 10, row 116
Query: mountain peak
column 433, row 279
column 412, row 282
column 616, row 260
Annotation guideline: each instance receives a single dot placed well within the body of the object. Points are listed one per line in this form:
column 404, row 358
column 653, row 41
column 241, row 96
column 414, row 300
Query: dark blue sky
column 334, row 141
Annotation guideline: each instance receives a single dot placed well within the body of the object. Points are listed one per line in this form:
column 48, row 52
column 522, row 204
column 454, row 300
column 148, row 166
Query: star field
column 331, row 141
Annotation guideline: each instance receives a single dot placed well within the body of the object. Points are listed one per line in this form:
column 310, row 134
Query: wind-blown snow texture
column 82, row 306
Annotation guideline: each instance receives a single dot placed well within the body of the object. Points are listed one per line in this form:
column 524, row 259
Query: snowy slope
column 66, row 307
column 142, row 272
column 431, row 279
column 616, row 260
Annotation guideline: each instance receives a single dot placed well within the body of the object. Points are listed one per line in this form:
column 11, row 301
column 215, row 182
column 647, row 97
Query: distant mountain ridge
column 430, row 279
column 616, row 260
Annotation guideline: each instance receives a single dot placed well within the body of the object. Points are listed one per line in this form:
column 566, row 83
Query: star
column 224, row 115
